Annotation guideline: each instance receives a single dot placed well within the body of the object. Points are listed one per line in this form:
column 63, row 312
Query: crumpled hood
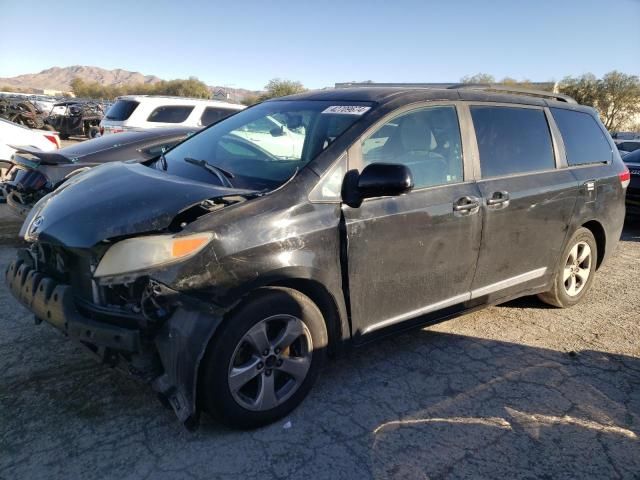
column 113, row 200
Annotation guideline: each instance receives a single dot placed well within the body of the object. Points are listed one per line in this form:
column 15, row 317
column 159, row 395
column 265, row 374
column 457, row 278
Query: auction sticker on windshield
column 347, row 109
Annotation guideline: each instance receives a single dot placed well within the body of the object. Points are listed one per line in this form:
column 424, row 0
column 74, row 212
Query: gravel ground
column 516, row 391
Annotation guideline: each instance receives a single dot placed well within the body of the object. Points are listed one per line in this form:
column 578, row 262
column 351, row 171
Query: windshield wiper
column 163, row 161
column 222, row 174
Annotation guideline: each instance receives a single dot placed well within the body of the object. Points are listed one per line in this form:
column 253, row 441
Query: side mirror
column 385, row 180
column 277, row 131
column 376, row 180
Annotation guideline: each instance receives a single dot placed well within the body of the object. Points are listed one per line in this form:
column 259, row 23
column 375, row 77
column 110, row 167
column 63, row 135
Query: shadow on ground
column 420, row 405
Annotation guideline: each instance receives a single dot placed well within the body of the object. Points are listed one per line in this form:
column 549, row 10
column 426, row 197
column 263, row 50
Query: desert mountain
column 59, row 78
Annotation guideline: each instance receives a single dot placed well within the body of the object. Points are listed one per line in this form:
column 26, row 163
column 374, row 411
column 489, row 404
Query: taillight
column 625, row 177
column 53, row 139
column 30, row 180
column 101, row 131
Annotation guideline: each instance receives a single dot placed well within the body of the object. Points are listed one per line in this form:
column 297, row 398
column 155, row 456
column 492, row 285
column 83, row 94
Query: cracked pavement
column 517, row 391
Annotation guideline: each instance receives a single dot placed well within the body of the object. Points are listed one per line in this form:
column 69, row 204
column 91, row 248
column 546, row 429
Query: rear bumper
column 53, row 302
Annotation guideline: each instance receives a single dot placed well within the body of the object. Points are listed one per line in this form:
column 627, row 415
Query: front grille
column 66, row 266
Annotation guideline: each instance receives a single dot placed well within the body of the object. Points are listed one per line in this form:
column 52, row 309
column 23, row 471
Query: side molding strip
column 509, row 282
column 479, row 292
column 420, row 311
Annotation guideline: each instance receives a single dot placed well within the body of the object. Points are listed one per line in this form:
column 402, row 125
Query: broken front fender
column 181, row 344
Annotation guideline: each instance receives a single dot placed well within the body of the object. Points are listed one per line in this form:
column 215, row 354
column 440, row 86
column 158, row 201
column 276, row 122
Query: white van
column 138, row 112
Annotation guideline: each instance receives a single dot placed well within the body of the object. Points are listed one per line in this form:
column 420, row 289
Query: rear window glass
column 121, row 110
column 512, row 140
column 584, row 140
column 170, row 114
column 214, row 114
column 629, row 146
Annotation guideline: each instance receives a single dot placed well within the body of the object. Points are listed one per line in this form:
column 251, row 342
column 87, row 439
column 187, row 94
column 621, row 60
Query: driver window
column 426, row 140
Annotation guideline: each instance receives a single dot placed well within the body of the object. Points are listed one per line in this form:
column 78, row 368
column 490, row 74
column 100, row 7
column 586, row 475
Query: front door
column 413, row 254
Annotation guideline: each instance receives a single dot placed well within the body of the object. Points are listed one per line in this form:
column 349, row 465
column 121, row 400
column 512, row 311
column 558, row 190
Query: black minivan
column 225, row 271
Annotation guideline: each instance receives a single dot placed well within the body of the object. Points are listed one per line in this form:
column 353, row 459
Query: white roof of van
column 167, row 100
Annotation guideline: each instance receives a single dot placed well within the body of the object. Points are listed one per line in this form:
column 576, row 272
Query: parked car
column 625, row 135
column 136, row 112
column 34, row 173
column 627, row 145
column 275, row 136
column 12, row 134
column 224, row 275
column 632, row 160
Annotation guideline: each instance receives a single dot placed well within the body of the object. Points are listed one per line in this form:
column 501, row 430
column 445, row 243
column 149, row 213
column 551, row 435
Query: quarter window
column 214, row 114
column 584, row 140
column 170, row 114
column 512, row 140
column 426, row 140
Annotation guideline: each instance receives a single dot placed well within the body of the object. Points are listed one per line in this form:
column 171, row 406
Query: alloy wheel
column 577, row 268
column 270, row 362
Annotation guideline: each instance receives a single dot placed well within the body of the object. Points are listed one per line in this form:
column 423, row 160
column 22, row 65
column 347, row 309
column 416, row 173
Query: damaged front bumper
column 18, row 205
column 166, row 355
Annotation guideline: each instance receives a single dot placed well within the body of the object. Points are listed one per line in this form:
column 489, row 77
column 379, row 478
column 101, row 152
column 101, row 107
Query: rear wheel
column 93, row 132
column 265, row 359
column 575, row 273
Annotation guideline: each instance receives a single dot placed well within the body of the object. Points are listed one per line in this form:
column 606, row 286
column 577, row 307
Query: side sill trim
column 509, row 282
column 420, row 311
column 479, row 292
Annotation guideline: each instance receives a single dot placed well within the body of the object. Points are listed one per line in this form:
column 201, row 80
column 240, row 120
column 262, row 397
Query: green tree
column 191, row 87
column 250, row 100
column 478, row 78
column 616, row 96
column 278, row 87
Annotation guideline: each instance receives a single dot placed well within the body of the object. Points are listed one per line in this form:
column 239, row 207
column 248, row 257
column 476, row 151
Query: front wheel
column 575, row 273
column 264, row 361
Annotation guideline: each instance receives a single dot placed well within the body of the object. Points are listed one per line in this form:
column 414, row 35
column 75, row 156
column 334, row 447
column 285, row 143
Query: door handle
column 466, row 204
column 498, row 198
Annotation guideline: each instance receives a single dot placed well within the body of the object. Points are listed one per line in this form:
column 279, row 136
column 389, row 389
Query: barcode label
column 347, row 109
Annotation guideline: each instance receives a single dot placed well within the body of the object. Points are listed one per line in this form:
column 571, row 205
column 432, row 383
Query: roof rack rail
column 520, row 91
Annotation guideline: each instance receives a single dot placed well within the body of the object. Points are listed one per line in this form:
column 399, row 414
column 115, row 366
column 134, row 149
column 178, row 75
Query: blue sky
column 320, row 42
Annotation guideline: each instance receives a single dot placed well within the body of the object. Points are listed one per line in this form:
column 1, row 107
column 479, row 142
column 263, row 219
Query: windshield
column 263, row 146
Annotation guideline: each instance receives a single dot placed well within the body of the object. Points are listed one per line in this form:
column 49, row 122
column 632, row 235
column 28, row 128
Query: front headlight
column 144, row 253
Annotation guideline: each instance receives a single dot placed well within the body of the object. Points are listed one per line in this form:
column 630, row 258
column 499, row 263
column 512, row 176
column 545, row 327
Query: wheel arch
column 325, row 302
column 598, row 232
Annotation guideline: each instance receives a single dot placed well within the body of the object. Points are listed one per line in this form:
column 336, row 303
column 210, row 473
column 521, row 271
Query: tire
column 28, row 107
column 575, row 272
column 93, row 132
column 265, row 317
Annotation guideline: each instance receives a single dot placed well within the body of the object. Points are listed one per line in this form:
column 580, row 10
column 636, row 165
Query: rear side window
column 214, row 114
column 584, row 140
column 121, row 110
column 170, row 114
column 512, row 140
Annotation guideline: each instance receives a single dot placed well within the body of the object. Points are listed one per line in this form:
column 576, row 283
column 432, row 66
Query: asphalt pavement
column 514, row 391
